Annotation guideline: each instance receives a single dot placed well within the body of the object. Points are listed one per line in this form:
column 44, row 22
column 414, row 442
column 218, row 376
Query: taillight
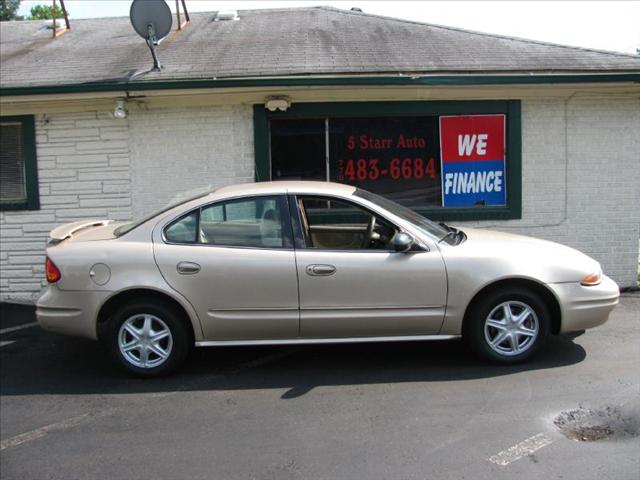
column 52, row 272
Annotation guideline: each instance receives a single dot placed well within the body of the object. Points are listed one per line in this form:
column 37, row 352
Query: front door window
column 330, row 224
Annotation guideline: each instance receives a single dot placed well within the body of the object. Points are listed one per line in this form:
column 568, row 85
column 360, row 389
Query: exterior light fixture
column 277, row 103
column 120, row 112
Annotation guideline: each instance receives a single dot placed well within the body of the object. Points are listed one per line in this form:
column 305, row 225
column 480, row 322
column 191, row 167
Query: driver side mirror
column 402, row 242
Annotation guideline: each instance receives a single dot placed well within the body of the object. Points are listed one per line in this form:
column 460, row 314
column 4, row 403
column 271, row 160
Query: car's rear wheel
column 507, row 326
column 147, row 339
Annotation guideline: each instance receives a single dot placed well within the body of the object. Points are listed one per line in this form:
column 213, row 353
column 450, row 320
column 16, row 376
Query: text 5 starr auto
column 310, row 262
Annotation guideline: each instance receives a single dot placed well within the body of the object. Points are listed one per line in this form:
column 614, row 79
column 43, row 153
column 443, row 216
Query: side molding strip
column 311, row 341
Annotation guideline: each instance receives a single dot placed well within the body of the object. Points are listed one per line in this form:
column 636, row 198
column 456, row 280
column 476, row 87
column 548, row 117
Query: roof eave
column 418, row 79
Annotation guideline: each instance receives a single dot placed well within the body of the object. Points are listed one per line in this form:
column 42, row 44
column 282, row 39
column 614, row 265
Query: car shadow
column 34, row 362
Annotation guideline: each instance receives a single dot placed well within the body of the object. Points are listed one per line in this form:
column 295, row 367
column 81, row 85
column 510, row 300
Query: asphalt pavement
column 420, row 410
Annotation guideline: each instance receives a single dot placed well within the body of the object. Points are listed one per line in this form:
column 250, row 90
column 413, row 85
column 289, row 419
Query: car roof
column 285, row 186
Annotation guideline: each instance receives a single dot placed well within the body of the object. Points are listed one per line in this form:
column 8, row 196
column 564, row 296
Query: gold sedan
column 310, row 262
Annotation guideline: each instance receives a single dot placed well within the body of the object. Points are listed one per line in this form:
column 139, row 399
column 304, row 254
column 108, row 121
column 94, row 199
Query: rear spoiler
column 67, row 230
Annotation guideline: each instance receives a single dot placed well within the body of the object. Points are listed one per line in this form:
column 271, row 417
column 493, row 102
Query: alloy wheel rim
column 511, row 328
column 145, row 341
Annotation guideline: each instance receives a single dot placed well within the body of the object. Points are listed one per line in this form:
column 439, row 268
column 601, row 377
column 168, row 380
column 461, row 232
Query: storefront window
column 298, row 150
column 453, row 157
column 396, row 157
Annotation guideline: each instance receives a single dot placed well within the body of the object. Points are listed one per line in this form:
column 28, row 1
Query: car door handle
column 321, row 270
column 188, row 268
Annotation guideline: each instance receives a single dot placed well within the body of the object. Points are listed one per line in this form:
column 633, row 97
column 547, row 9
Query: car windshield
column 429, row 226
column 175, row 202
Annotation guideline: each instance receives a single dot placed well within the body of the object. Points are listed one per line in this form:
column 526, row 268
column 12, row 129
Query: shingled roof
column 280, row 42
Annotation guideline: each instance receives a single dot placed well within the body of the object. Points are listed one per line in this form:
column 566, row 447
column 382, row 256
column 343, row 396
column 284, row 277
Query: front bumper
column 585, row 307
column 69, row 312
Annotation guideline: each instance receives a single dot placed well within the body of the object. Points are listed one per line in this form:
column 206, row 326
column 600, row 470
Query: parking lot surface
column 364, row 411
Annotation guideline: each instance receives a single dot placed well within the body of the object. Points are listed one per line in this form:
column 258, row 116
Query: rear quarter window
column 183, row 230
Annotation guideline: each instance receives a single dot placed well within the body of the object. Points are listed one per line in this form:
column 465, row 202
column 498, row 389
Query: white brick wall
column 91, row 165
column 83, row 171
column 581, row 171
column 177, row 150
column 595, row 207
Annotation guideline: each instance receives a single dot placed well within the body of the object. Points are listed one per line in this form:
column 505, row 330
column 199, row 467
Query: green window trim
column 511, row 108
column 28, row 135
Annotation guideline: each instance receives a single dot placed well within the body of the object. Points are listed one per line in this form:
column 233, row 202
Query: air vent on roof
column 356, row 9
column 227, row 15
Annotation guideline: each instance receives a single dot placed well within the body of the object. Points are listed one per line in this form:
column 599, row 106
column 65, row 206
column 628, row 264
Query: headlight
column 592, row 279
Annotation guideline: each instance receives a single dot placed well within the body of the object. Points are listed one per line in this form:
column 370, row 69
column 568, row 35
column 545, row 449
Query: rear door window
column 254, row 222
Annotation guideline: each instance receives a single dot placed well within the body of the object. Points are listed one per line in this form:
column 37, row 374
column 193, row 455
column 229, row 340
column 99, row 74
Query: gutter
column 432, row 80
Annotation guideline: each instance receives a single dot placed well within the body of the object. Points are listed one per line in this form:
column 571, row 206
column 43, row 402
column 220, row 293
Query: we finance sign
column 472, row 152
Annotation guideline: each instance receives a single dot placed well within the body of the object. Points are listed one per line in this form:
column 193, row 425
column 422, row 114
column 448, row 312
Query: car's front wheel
column 147, row 339
column 507, row 326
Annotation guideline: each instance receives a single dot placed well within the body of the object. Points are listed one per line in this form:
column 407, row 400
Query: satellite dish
column 152, row 20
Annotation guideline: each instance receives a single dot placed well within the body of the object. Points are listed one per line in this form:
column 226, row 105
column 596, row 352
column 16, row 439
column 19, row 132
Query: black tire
column 163, row 318
column 477, row 337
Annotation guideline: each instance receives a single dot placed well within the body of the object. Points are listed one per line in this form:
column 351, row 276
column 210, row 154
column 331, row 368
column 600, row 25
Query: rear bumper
column 585, row 307
column 69, row 312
